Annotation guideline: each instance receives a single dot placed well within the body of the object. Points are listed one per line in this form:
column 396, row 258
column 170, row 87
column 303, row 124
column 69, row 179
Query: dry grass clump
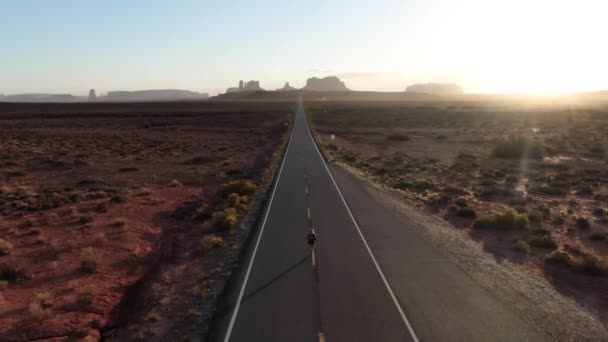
column 5, row 247
column 227, row 218
column 237, row 201
column 210, row 242
column 88, row 260
column 37, row 313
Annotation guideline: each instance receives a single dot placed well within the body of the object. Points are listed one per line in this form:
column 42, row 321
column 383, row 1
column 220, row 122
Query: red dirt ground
column 88, row 205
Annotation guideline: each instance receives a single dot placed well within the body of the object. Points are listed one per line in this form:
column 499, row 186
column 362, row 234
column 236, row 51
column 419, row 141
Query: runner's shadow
column 229, row 306
column 273, row 280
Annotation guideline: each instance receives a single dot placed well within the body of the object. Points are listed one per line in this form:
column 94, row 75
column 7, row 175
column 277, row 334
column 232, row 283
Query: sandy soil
column 102, row 214
column 442, row 159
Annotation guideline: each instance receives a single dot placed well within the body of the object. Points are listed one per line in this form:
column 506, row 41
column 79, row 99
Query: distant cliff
column 245, row 86
column 154, row 95
column 331, row 83
column 435, row 88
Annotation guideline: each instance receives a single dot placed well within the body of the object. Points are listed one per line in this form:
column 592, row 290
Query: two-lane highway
column 373, row 279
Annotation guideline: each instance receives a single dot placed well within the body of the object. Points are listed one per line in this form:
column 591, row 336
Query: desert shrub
column 398, row 137
column 483, row 223
column 5, row 247
column 84, row 295
column 235, row 200
column 118, row 199
column 240, row 187
column 598, row 235
column 44, row 299
column 101, row 207
column 119, row 222
column 128, row 169
column 582, row 223
column 210, row 241
column 511, row 219
column 227, row 218
column 461, row 202
column 418, row 185
column 542, row 241
column 11, row 272
column 559, row 256
column 466, row 212
column 593, row 265
column 551, row 190
column 521, row 246
column 88, row 261
column 518, row 147
column 84, row 219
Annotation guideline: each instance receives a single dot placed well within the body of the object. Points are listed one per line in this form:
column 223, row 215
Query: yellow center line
column 307, row 190
column 308, row 210
column 321, row 337
column 314, row 258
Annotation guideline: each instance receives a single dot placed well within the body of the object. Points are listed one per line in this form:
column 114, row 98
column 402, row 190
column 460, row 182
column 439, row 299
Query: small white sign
column 333, row 137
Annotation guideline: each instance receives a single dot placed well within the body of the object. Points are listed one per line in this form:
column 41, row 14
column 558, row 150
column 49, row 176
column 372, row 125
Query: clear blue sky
column 69, row 46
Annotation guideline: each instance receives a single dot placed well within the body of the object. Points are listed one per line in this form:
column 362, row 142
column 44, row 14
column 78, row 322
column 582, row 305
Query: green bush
column 240, row 187
column 84, row 219
column 511, row 219
column 593, row 265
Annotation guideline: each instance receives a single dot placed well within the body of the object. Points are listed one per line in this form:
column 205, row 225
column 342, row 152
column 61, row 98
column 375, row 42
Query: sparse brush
column 509, row 219
column 518, row 148
column 119, row 222
column 542, row 241
column 210, row 241
column 10, row 272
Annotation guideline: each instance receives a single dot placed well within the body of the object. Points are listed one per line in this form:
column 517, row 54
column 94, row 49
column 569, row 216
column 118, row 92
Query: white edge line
column 388, row 287
column 257, row 243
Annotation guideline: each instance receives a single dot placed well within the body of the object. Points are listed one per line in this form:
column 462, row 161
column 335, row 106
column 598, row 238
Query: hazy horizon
column 485, row 46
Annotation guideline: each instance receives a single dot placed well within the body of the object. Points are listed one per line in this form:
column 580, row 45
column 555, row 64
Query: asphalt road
column 370, row 278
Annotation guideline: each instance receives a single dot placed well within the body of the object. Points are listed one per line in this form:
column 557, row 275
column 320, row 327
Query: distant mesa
column 331, row 83
column 287, row 87
column 155, row 95
column 435, row 89
column 39, row 98
column 92, row 95
column 245, row 86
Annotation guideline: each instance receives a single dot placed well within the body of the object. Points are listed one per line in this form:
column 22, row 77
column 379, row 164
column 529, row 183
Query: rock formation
column 247, row 86
column 287, row 87
column 92, row 95
column 155, row 95
column 331, row 83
